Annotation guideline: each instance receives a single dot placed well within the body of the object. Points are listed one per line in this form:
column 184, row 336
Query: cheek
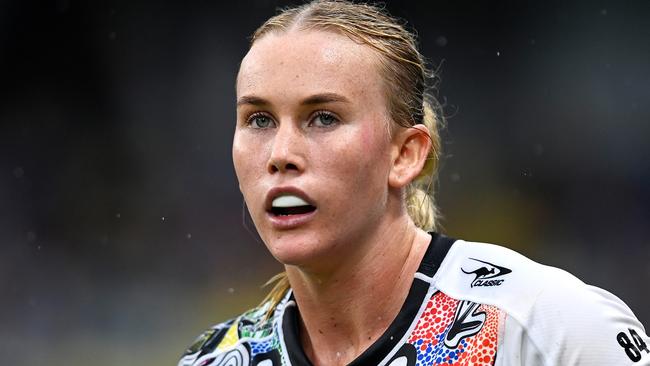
column 361, row 159
column 238, row 158
column 374, row 150
column 248, row 160
column 374, row 141
column 358, row 179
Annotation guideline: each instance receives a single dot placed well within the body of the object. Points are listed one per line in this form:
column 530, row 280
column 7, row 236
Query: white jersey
column 469, row 304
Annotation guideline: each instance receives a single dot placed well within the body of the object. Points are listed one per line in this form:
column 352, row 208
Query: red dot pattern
column 433, row 325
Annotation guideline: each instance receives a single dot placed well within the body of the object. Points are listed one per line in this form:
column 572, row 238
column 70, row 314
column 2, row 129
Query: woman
column 336, row 149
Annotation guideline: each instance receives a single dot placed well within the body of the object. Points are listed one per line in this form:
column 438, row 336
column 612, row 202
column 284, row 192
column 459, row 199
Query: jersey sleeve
column 206, row 343
column 575, row 324
column 550, row 316
column 247, row 338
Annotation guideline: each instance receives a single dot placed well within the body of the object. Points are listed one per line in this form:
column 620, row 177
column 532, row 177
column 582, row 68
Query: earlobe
column 411, row 147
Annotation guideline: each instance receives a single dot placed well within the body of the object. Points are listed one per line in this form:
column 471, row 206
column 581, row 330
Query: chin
column 294, row 249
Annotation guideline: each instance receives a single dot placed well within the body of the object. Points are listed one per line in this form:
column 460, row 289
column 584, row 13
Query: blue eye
column 324, row 119
column 260, row 121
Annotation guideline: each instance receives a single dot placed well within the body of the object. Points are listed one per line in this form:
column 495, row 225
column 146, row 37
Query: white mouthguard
column 289, row 201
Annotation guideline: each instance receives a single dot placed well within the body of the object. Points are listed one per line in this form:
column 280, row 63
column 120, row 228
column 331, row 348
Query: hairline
column 379, row 61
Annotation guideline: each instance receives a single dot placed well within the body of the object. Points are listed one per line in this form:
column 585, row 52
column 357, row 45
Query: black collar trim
column 433, row 257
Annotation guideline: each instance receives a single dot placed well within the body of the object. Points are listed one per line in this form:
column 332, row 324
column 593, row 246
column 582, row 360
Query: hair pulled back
column 406, row 79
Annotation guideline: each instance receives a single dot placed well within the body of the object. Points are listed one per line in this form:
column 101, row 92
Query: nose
column 286, row 151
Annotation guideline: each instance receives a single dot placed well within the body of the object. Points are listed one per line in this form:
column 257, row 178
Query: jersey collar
column 373, row 355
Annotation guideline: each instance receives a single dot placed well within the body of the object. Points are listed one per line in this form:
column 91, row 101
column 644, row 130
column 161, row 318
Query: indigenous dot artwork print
column 453, row 332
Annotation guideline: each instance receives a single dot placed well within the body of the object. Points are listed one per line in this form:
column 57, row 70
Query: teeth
column 289, row 201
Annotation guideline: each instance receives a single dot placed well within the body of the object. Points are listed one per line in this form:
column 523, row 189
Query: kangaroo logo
column 468, row 321
column 484, row 274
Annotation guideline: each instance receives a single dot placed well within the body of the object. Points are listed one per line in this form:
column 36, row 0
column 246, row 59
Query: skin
column 312, row 115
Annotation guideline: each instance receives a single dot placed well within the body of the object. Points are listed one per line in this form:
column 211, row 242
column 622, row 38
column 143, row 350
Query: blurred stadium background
column 122, row 233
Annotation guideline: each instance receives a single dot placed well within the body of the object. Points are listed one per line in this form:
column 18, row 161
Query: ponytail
column 420, row 202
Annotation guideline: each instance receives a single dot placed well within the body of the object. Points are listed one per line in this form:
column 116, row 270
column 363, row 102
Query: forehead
column 306, row 61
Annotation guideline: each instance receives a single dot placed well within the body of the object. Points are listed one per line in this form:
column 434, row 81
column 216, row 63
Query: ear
column 410, row 149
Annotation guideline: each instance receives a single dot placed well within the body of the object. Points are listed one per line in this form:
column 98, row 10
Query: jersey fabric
column 469, row 304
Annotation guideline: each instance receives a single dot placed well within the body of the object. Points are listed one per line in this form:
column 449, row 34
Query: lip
column 283, row 191
column 290, row 221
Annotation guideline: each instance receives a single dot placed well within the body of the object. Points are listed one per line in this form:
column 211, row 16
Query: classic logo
column 468, row 321
column 486, row 274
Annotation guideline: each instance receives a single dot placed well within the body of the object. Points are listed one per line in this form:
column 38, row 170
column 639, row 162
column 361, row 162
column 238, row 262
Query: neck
column 344, row 310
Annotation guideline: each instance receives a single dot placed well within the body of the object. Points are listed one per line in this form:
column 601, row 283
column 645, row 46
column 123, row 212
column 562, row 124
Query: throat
column 368, row 307
column 339, row 331
column 334, row 346
column 346, row 335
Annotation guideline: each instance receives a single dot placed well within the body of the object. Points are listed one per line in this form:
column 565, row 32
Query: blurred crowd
column 122, row 230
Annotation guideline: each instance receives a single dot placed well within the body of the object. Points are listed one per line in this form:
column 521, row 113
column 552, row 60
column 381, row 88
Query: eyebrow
column 251, row 99
column 325, row 98
column 321, row 98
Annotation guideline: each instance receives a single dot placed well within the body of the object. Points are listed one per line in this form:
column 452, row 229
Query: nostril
column 282, row 167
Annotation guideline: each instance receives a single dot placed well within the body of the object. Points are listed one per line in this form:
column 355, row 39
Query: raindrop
column 118, row 215
column 162, row 218
column 455, row 177
column 231, row 290
column 526, row 173
column 189, row 236
column 112, row 36
column 498, row 53
column 538, row 149
column 603, row 12
column 441, row 41
column 338, row 354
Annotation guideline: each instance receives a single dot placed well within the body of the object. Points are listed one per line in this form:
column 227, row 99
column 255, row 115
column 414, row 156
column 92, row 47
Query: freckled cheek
column 371, row 153
column 249, row 162
column 369, row 148
column 373, row 138
column 349, row 164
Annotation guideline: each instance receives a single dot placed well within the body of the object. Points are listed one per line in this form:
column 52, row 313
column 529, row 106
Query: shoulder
column 495, row 275
column 564, row 320
column 234, row 339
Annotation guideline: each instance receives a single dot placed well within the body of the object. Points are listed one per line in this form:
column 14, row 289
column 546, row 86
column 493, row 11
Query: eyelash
column 250, row 120
column 321, row 113
column 324, row 114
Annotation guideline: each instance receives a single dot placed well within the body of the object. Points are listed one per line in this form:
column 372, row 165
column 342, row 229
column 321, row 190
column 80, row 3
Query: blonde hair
column 406, row 78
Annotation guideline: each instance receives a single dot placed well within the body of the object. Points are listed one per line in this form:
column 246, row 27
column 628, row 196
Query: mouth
column 289, row 208
column 289, row 204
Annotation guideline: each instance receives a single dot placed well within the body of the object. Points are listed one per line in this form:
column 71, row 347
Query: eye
column 324, row 119
column 260, row 120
